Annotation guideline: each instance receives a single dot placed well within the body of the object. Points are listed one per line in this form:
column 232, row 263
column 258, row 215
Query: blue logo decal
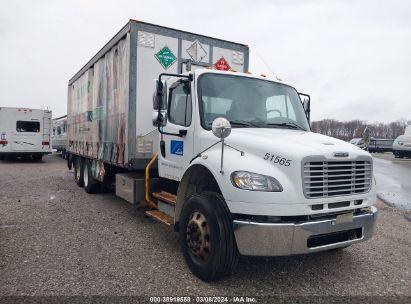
column 177, row 147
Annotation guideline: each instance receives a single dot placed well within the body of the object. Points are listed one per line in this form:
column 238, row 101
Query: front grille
column 336, row 178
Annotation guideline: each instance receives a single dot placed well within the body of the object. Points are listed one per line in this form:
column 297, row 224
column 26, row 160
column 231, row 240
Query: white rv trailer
column 24, row 132
column 59, row 136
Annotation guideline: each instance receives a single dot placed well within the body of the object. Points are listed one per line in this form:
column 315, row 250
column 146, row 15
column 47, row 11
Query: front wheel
column 207, row 237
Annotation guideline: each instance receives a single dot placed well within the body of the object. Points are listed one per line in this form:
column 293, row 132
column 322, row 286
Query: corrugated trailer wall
column 109, row 107
column 98, row 106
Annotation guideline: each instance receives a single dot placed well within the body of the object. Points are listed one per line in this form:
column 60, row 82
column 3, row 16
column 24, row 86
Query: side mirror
column 306, row 104
column 221, row 127
column 159, row 95
column 159, row 119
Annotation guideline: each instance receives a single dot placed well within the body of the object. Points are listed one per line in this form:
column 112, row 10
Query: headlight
column 400, row 143
column 255, row 182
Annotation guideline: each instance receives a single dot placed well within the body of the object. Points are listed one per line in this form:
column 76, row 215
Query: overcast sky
column 352, row 56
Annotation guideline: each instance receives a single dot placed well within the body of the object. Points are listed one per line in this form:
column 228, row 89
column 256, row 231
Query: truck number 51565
column 277, row 159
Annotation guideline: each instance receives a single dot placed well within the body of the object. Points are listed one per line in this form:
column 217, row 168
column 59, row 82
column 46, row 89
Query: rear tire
column 78, row 171
column 207, row 237
column 90, row 184
column 37, row 157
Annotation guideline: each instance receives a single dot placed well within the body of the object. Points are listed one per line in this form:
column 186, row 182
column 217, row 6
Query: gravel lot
column 57, row 240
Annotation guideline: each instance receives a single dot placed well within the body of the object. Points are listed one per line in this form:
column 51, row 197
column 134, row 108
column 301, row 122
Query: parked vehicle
column 24, row 132
column 378, row 145
column 225, row 158
column 402, row 144
column 359, row 142
column 59, row 137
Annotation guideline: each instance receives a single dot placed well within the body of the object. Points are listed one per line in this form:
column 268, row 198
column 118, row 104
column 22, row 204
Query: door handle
column 182, row 133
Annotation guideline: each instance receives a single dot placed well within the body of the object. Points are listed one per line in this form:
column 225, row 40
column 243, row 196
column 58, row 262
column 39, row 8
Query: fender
column 198, row 175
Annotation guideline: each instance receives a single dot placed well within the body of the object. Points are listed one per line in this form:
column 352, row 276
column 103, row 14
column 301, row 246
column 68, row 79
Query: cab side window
column 179, row 106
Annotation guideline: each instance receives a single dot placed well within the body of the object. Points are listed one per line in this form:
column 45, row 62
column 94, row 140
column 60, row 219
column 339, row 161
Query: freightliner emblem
column 340, row 154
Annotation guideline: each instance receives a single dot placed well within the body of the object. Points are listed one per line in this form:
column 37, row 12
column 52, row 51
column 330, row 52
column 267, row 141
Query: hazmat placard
column 166, row 57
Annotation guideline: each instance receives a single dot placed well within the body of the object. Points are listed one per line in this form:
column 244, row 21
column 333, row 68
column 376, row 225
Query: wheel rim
column 85, row 175
column 198, row 237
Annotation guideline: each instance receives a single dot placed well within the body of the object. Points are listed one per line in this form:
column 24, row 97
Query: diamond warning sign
column 165, row 57
column 196, row 51
column 222, row 64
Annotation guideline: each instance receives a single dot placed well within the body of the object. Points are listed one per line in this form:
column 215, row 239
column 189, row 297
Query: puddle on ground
column 7, row 226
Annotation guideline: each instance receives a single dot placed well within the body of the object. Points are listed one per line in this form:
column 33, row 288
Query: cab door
column 177, row 142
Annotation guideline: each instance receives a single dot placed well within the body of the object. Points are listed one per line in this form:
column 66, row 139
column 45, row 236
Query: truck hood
column 287, row 143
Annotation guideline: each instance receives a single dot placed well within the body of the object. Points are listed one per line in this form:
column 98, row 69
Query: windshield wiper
column 291, row 125
column 244, row 123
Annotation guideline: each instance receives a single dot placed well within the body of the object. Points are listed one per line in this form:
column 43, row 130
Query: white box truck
column 59, row 137
column 225, row 157
column 24, row 133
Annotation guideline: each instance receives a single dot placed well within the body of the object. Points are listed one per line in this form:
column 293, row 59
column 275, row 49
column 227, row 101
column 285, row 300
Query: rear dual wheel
column 78, row 171
column 90, row 183
column 207, row 238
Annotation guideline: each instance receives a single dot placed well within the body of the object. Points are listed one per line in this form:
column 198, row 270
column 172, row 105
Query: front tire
column 207, row 237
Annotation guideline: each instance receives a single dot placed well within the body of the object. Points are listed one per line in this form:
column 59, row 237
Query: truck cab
column 251, row 178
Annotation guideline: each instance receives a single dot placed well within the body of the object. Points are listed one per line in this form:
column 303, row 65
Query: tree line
column 346, row 130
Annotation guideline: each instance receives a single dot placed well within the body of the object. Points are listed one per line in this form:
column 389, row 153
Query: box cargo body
column 110, row 99
column 25, row 132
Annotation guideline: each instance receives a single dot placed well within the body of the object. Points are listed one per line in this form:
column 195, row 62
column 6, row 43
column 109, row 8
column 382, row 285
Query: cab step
column 160, row 217
column 165, row 197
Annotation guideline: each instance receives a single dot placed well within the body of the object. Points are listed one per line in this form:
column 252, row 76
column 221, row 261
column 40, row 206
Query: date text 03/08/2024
column 204, row 299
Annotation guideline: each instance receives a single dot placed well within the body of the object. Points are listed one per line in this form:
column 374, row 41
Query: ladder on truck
column 162, row 203
column 46, row 131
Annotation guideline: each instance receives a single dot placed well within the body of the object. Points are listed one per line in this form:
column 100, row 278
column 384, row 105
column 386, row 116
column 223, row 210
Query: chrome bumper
column 277, row 239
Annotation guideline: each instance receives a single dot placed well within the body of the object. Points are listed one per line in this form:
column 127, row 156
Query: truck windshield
column 249, row 102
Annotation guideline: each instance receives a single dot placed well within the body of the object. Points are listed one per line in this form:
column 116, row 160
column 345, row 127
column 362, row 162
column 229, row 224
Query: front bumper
column 279, row 239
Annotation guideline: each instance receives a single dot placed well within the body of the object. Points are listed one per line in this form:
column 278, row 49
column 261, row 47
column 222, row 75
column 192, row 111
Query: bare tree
column 346, row 130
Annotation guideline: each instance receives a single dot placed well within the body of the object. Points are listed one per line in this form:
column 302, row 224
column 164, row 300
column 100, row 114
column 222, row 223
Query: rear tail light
column 3, row 139
column 45, row 143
